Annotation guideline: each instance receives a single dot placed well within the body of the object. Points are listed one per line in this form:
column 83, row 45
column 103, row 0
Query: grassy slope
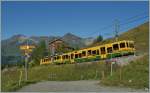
column 139, row 34
column 139, row 74
column 46, row 72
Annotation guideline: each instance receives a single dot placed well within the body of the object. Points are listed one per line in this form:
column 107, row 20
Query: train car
column 45, row 60
column 106, row 51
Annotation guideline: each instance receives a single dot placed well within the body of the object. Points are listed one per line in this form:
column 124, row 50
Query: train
column 95, row 53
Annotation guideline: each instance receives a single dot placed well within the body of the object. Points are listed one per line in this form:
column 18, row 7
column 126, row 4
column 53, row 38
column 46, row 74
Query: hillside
column 139, row 34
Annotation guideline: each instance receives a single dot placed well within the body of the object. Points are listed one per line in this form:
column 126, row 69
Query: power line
column 111, row 25
column 135, row 16
column 131, row 21
column 134, row 20
column 104, row 28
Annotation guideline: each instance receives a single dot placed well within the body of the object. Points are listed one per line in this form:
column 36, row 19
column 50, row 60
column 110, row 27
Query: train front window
column 131, row 45
column 115, row 47
column 103, row 51
column 122, row 45
column 109, row 49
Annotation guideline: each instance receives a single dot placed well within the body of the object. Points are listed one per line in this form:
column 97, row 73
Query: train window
column 109, row 49
column 80, row 55
column 76, row 55
column 94, row 52
column 63, row 57
column 131, row 45
column 57, row 57
column 97, row 52
column 103, row 51
column 122, row 45
column 66, row 56
column 83, row 53
column 127, row 44
column 89, row 52
column 72, row 56
column 54, row 58
column 115, row 47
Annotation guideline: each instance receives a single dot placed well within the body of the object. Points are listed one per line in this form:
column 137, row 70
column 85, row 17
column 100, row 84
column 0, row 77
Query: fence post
column 20, row 78
column 111, row 68
column 120, row 73
column 96, row 74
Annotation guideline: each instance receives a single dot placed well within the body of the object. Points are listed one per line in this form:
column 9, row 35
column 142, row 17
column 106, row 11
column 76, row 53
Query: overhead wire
column 128, row 20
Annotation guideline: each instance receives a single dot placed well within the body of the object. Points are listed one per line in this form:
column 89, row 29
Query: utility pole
column 26, row 67
column 26, row 64
column 117, row 26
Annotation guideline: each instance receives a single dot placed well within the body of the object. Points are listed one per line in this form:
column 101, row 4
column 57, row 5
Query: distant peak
column 18, row 36
column 70, row 34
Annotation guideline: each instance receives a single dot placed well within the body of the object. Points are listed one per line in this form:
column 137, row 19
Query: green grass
column 137, row 72
column 66, row 72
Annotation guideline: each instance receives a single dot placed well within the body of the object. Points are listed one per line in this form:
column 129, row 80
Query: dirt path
column 71, row 86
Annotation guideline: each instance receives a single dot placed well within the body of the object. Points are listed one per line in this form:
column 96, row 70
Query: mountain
column 76, row 41
column 88, row 41
column 73, row 41
column 10, row 47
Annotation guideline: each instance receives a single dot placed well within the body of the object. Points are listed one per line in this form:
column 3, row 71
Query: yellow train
column 106, row 51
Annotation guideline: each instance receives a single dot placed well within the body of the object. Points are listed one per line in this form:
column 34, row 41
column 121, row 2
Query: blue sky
column 85, row 19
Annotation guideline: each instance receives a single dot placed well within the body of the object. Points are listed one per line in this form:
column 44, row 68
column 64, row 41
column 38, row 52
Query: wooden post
column 26, row 68
column 111, row 69
column 120, row 72
column 96, row 74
